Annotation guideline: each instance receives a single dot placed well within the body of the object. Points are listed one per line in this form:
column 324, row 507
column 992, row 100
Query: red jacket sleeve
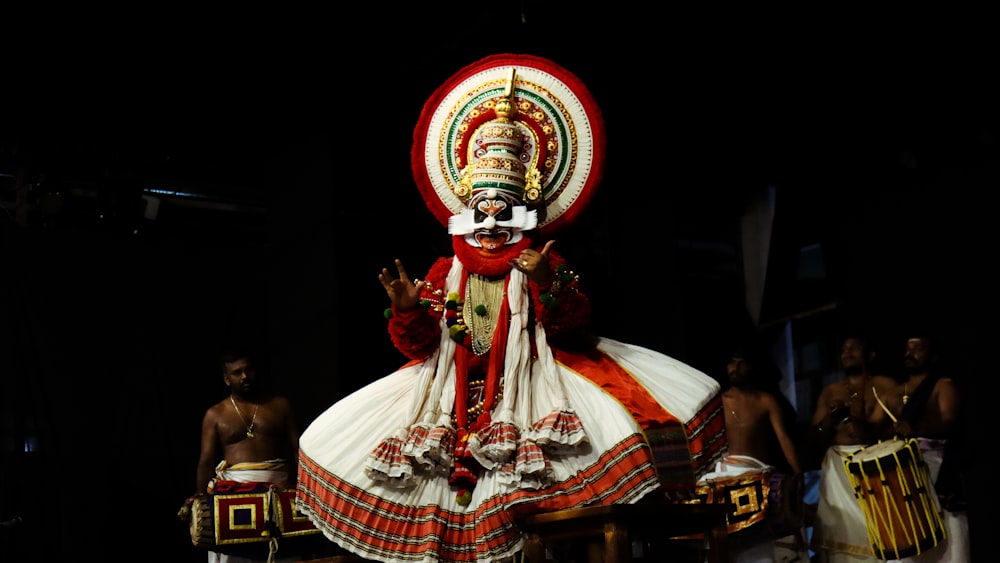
column 561, row 307
column 417, row 332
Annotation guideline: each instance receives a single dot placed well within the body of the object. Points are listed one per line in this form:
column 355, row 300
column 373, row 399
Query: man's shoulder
column 946, row 382
column 835, row 386
column 884, row 380
column 217, row 408
column 763, row 394
column 278, row 399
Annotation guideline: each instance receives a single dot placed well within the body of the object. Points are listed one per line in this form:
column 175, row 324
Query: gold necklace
column 732, row 410
column 855, row 394
column 906, row 396
column 252, row 419
column 483, row 297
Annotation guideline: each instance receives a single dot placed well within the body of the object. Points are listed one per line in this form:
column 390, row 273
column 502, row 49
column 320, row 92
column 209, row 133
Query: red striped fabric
column 368, row 524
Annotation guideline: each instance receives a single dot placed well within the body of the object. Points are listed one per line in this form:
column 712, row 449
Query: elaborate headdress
column 517, row 124
column 496, row 179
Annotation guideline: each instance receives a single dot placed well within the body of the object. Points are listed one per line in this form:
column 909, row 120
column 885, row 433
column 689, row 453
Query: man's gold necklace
column 252, row 419
column 855, row 394
column 732, row 401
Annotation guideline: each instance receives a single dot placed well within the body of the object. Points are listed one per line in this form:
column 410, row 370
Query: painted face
column 494, row 219
column 490, row 213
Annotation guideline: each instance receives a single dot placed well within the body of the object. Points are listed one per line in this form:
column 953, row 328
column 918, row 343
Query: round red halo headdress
column 564, row 138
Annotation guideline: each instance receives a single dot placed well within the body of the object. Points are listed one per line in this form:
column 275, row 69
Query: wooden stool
column 619, row 524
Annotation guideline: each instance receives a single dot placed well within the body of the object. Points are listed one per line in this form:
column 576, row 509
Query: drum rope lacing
column 882, row 520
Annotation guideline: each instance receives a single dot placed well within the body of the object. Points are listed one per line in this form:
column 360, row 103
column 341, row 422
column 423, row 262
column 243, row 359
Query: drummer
column 249, row 437
column 758, row 416
column 928, row 409
column 847, row 418
column 759, row 423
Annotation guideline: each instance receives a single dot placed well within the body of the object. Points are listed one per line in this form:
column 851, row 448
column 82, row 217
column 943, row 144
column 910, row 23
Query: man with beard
column 759, row 422
column 756, row 416
column 929, row 409
column 249, row 443
column 847, row 418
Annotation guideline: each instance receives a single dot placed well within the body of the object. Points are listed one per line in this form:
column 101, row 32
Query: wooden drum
column 898, row 500
column 747, row 495
column 232, row 519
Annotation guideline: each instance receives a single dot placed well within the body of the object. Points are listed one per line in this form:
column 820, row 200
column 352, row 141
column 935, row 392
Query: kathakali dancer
column 508, row 406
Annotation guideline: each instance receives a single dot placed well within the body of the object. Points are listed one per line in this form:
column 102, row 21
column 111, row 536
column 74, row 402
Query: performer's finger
column 545, row 249
column 384, row 278
column 402, row 271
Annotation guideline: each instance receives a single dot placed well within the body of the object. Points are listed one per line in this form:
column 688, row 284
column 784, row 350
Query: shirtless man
column 847, row 412
column 251, row 425
column 929, row 410
column 847, row 418
column 934, row 412
column 754, row 414
column 251, row 436
column 760, row 442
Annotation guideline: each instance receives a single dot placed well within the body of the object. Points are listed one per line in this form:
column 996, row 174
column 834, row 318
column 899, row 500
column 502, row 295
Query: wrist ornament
column 563, row 278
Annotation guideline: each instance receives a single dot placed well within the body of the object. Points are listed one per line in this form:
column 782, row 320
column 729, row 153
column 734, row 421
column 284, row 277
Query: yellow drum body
column 901, row 509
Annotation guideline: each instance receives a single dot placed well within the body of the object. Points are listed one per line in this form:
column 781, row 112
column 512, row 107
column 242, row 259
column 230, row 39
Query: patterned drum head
column 885, row 455
column 561, row 123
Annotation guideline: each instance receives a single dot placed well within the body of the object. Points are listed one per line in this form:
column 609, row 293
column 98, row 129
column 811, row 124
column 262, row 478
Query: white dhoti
column 840, row 532
column 273, row 471
column 733, row 465
column 955, row 548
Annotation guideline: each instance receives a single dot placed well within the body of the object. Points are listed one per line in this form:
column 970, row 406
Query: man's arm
column 781, row 431
column 949, row 405
column 821, row 431
column 822, row 408
column 888, row 397
column 291, row 426
column 210, row 451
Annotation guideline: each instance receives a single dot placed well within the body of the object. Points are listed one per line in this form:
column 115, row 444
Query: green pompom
column 480, row 310
column 387, row 313
column 425, row 303
column 463, row 497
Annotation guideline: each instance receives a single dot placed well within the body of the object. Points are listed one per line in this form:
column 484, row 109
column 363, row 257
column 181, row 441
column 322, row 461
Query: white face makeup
column 493, row 219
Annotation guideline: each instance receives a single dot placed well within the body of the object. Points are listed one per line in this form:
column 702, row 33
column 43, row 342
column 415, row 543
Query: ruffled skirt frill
column 376, row 482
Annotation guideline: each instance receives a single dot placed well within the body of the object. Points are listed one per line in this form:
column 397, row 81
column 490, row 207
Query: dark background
column 293, row 131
